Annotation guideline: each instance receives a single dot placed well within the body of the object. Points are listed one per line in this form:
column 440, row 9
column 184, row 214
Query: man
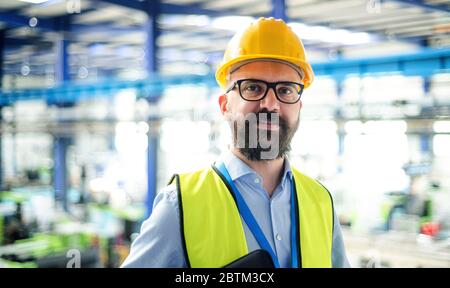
column 251, row 198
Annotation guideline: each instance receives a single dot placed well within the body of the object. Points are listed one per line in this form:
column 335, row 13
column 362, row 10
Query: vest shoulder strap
column 211, row 224
column 316, row 214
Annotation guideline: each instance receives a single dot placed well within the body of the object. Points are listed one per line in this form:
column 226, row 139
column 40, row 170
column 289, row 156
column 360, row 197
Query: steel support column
column 61, row 141
column 153, row 31
column 279, row 9
column 2, row 49
column 339, row 118
column 60, row 182
column 427, row 136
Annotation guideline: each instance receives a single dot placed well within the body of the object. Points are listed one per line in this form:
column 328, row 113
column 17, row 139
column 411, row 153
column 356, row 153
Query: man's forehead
column 261, row 69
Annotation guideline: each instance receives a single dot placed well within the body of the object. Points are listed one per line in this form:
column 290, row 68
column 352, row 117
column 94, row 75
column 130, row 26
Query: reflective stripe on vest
column 212, row 228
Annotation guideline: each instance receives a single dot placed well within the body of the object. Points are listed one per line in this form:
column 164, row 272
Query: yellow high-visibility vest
column 212, row 228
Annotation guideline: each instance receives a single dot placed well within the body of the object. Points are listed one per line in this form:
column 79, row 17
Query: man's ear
column 223, row 103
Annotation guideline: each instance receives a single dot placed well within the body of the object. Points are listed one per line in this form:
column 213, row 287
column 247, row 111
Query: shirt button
column 278, row 237
column 256, row 180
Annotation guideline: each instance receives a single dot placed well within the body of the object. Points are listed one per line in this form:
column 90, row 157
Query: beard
column 258, row 144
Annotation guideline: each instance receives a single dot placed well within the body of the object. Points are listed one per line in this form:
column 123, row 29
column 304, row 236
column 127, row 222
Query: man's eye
column 285, row 90
column 253, row 88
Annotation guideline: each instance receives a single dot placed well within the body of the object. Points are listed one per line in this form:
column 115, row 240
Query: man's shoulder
column 302, row 176
column 305, row 179
column 167, row 194
column 171, row 189
column 193, row 175
column 197, row 171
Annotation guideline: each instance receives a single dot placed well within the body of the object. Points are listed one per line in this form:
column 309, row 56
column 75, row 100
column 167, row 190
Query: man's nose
column 270, row 102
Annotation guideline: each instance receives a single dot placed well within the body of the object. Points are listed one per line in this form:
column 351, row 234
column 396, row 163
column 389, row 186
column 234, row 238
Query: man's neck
column 270, row 170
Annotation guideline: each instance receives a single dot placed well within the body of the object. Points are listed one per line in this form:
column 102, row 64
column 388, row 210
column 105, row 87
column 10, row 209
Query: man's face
column 238, row 111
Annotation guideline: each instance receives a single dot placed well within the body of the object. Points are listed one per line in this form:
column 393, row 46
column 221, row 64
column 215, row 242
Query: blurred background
column 103, row 100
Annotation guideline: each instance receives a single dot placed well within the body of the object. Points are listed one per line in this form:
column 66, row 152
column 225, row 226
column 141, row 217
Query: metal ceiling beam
column 132, row 4
column 378, row 36
column 166, row 8
column 19, row 42
column 15, row 21
column 422, row 63
column 424, row 5
column 105, row 28
column 188, row 9
column 401, row 24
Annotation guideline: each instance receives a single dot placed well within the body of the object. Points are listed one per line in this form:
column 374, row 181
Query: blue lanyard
column 252, row 224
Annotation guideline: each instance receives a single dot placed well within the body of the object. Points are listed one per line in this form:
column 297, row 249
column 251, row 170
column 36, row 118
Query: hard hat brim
column 222, row 71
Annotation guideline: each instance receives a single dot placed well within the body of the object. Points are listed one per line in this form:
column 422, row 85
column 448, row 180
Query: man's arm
column 339, row 256
column 159, row 242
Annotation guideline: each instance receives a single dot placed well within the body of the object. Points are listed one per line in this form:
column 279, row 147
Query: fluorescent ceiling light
column 441, row 126
column 34, row 1
column 325, row 34
column 232, row 23
column 196, row 20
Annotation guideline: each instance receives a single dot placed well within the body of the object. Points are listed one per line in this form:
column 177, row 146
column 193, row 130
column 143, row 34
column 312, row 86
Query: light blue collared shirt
column 159, row 242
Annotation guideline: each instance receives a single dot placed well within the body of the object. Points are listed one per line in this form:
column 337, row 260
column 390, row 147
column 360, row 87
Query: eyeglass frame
column 270, row 85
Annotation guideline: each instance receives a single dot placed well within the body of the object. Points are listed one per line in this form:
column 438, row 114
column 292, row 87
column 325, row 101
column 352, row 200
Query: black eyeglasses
column 256, row 90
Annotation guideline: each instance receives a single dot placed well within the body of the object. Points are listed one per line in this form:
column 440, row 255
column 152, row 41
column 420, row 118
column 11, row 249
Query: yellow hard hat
column 266, row 38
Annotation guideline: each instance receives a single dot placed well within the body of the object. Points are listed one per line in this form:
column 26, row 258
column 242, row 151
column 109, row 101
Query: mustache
column 266, row 114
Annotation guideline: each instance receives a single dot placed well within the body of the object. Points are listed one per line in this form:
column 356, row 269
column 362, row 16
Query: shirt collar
column 238, row 168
